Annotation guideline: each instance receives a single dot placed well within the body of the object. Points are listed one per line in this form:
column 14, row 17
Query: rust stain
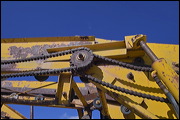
column 19, row 83
column 91, row 88
column 163, row 74
column 6, row 84
column 176, row 78
column 5, row 114
column 8, row 67
column 174, row 48
column 84, row 37
column 160, row 60
column 21, row 52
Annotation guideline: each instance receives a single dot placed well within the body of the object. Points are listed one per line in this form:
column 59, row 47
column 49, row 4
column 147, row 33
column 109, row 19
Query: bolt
column 98, row 102
column 175, row 64
column 14, row 95
column 39, row 97
column 130, row 76
column 80, row 56
column 125, row 110
column 95, row 42
column 64, row 94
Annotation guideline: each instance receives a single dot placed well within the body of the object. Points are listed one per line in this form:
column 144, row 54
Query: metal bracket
column 63, row 93
column 132, row 42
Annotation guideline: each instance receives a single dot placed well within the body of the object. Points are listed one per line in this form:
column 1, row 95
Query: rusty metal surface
column 9, row 67
column 84, row 90
column 27, row 102
column 91, row 88
column 6, row 84
column 37, row 91
column 23, row 52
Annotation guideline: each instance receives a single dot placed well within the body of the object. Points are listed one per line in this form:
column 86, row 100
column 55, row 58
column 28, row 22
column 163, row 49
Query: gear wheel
column 82, row 59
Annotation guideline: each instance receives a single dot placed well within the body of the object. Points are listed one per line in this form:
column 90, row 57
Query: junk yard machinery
column 128, row 79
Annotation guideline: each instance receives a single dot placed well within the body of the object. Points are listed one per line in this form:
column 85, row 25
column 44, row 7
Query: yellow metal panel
column 47, row 65
column 11, row 112
column 170, row 52
column 141, row 83
column 116, row 113
column 133, row 106
column 161, row 110
column 118, row 76
column 113, row 52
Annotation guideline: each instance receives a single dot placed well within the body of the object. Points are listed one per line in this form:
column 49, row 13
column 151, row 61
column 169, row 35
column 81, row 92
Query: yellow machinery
column 128, row 79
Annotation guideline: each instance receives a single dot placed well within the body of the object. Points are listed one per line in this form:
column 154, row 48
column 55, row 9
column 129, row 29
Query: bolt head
column 81, row 57
column 98, row 102
column 125, row 110
column 130, row 76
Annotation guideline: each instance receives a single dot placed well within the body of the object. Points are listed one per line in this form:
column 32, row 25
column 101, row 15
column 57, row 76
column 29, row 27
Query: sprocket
column 82, row 59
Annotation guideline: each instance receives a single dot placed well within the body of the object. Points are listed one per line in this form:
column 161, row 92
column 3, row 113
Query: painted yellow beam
column 48, row 39
column 32, row 84
column 79, row 94
column 10, row 112
column 94, row 47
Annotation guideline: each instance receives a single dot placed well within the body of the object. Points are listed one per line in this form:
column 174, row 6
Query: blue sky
column 113, row 20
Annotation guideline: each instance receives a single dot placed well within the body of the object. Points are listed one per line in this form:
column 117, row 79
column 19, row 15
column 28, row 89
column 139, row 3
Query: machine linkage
column 78, row 68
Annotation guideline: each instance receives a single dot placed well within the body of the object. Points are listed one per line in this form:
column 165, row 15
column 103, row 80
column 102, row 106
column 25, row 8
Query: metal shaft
column 31, row 112
column 148, row 51
column 169, row 95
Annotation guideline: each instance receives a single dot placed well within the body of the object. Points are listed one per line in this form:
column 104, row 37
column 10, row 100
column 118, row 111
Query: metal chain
column 42, row 72
column 36, row 73
column 80, row 68
column 131, row 92
column 43, row 56
column 123, row 64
